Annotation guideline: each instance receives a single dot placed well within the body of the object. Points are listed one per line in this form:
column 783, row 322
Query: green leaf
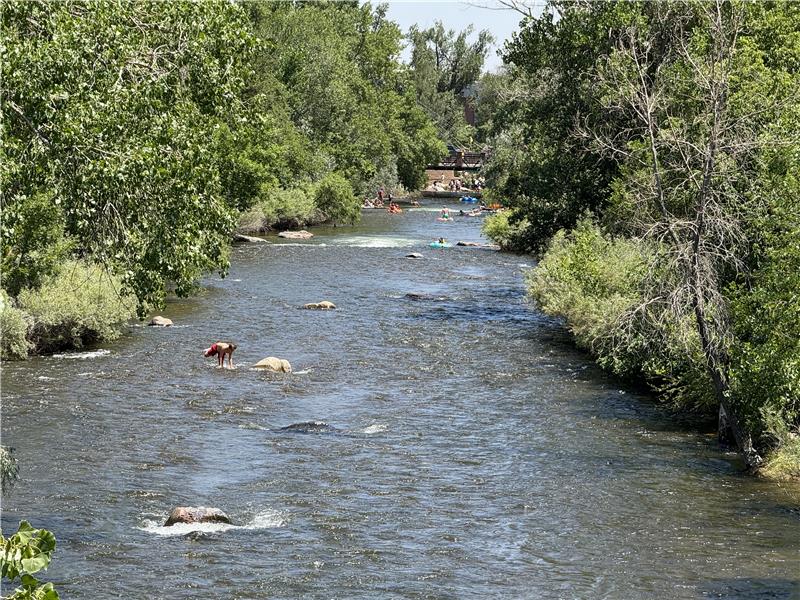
column 35, row 564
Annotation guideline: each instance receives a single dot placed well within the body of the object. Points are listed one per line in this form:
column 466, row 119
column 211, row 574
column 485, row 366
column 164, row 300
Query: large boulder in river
column 159, row 321
column 470, row 244
column 296, row 235
column 196, row 514
column 278, row 365
column 324, row 305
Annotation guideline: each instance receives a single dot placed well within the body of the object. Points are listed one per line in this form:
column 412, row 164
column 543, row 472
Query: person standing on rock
column 220, row 349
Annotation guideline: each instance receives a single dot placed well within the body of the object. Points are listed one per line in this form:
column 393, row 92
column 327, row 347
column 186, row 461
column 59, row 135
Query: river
column 473, row 452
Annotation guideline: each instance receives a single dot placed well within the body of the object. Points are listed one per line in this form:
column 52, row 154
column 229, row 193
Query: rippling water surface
column 471, row 451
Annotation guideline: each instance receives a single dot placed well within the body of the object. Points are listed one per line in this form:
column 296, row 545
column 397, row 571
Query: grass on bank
column 81, row 304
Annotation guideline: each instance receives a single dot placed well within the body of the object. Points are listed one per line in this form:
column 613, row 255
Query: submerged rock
column 296, row 235
column 309, row 427
column 414, row 255
column 324, row 305
column 240, row 237
column 196, row 514
column 159, row 321
column 470, row 244
column 278, row 365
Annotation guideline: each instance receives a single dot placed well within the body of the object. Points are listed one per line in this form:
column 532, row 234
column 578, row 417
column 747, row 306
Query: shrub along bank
column 82, row 304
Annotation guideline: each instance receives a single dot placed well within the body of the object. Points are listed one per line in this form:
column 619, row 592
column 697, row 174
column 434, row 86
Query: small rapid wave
column 267, row 519
column 83, row 355
column 376, row 428
column 363, row 241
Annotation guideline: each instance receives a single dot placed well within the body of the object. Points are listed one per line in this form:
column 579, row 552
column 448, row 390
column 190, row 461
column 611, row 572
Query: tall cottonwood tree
column 677, row 77
column 445, row 63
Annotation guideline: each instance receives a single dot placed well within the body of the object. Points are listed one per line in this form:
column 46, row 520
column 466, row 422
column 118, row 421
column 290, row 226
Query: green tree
column 112, row 113
column 335, row 199
column 540, row 167
column 445, row 64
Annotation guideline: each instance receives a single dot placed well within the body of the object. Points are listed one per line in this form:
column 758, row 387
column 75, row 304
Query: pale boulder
column 296, row 235
column 324, row 305
column 159, row 321
column 278, row 365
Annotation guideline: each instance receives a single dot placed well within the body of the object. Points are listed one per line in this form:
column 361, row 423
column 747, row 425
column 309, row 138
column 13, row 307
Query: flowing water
column 470, row 451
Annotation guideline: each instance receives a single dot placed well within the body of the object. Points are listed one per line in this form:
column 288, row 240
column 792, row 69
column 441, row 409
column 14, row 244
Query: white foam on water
column 377, row 428
column 364, row 241
column 303, row 372
column 293, row 244
column 267, row 519
column 44, row 378
column 83, row 355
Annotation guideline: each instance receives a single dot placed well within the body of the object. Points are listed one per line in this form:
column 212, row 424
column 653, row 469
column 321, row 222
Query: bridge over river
column 460, row 160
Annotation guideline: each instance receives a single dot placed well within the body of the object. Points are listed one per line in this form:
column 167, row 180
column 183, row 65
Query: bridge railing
column 462, row 160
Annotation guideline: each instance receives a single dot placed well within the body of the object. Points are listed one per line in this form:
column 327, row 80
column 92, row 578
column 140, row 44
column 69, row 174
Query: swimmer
column 220, row 349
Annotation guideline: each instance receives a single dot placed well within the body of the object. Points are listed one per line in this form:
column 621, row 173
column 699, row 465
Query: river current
column 471, row 452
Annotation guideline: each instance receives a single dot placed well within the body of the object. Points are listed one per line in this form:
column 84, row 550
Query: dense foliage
column 137, row 134
column 446, row 66
column 677, row 124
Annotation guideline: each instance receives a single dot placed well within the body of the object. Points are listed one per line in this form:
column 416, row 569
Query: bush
column 506, row 230
column 335, row 200
column 593, row 281
column 82, row 304
column 251, row 220
column 288, row 208
column 783, row 463
column 14, row 325
column 765, row 360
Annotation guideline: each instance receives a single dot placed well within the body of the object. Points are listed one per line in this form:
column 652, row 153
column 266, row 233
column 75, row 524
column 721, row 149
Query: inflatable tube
column 469, row 199
column 438, row 245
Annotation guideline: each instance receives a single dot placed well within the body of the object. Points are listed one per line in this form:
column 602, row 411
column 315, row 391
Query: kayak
column 438, row 245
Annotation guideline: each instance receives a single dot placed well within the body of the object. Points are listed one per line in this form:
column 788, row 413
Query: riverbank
column 83, row 304
column 593, row 282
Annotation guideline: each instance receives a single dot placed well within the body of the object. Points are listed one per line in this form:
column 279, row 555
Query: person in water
column 220, row 349
column 445, row 213
column 442, row 241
